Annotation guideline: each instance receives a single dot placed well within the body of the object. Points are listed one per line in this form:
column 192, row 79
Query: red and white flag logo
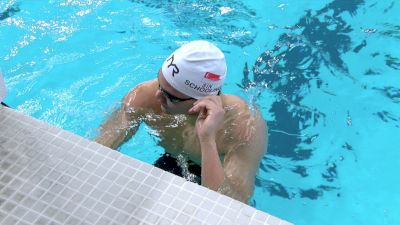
column 212, row 76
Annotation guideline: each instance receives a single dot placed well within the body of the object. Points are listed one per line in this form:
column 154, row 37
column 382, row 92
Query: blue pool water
column 324, row 73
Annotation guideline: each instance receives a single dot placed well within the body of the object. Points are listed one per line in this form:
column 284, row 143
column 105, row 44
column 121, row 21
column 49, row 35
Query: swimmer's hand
column 210, row 117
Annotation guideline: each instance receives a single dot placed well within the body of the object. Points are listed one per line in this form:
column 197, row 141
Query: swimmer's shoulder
column 142, row 96
column 234, row 103
column 239, row 109
column 248, row 124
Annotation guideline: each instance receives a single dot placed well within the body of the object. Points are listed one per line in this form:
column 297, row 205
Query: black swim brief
column 170, row 164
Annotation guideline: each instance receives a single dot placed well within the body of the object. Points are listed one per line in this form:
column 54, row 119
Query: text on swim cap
column 175, row 69
column 205, row 88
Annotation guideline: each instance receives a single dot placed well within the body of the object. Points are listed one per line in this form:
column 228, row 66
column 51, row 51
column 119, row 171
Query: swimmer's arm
column 210, row 117
column 212, row 172
column 122, row 124
column 235, row 176
column 241, row 165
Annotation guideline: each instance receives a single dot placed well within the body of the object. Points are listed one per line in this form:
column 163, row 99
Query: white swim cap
column 3, row 89
column 197, row 69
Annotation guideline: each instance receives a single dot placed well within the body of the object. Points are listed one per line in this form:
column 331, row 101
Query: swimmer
column 185, row 105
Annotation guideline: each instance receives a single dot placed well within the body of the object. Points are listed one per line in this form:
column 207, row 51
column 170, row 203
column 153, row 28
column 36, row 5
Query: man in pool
column 216, row 131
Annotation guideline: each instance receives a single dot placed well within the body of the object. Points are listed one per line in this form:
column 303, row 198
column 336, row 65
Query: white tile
column 61, row 216
column 122, row 180
column 74, row 181
column 19, row 211
column 183, row 219
column 137, row 199
column 133, row 185
column 141, row 213
column 89, row 202
column 129, row 208
column 72, row 220
column 155, row 194
column 272, row 220
column 31, row 216
column 134, row 221
column 230, row 215
column 114, row 155
column 166, row 199
column 122, row 218
column 92, row 217
column 119, row 202
column 184, row 195
column 143, row 189
column 151, row 181
column 196, row 199
column 195, row 221
column 10, row 220
column 177, row 204
column 207, row 204
column 111, row 212
column 247, row 211
column 225, row 222
column 100, row 207
column 201, row 213
column 189, row 209
column 114, row 189
column 103, row 221
column 50, row 211
column 171, row 213
column 70, row 207
column 8, row 207
column 81, row 212
column 159, row 209
column 107, row 198
column 126, row 194
column 243, row 219
column 152, row 218
column 285, row 223
column 67, row 193
column 256, row 222
column 212, row 218
column 219, row 209
column 148, row 203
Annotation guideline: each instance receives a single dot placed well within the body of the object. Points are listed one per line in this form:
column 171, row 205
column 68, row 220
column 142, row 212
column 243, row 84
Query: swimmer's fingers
column 215, row 99
column 203, row 104
column 199, row 107
column 209, row 101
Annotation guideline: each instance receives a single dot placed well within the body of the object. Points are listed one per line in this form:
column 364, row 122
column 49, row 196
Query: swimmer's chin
column 163, row 109
column 171, row 111
column 166, row 110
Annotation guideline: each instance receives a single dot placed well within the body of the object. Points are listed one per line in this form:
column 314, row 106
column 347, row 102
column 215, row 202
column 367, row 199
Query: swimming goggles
column 170, row 97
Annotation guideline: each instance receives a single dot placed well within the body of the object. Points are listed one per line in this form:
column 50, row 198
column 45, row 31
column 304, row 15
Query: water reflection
column 9, row 12
column 289, row 70
column 229, row 22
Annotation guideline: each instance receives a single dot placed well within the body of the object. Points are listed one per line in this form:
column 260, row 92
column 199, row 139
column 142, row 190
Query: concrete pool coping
column 51, row 176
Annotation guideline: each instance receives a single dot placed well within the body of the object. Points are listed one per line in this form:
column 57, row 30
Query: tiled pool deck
column 51, row 176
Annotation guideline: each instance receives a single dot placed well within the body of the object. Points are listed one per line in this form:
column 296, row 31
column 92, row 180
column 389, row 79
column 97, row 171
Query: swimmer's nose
column 158, row 93
column 160, row 96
